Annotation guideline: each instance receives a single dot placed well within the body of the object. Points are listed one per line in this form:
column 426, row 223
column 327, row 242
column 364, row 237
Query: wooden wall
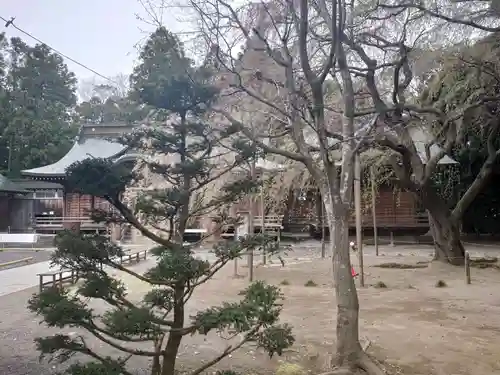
column 245, row 205
column 77, row 205
column 4, row 213
column 393, row 209
column 24, row 209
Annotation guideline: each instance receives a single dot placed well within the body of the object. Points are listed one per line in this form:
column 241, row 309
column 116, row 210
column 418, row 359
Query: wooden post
column 263, row 222
column 359, row 228
column 467, row 267
column 41, row 282
column 374, row 211
column 54, row 280
column 138, row 257
column 392, row 238
column 322, row 221
column 251, row 222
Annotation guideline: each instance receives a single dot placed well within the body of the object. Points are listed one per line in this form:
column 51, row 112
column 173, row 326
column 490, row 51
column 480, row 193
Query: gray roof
column 81, row 150
column 37, row 185
column 7, row 186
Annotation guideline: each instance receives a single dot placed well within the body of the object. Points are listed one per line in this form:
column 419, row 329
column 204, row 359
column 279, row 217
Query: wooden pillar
column 251, row 222
column 359, row 223
column 115, row 232
column 374, row 210
column 64, row 203
column 263, row 218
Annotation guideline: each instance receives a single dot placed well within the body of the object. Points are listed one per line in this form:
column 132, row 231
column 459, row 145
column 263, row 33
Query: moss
column 441, row 284
column 310, row 283
column 380, row 285
column 290, row 369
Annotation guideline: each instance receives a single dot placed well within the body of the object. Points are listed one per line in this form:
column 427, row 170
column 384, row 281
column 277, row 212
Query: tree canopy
column 472, row 75
column 37, row 96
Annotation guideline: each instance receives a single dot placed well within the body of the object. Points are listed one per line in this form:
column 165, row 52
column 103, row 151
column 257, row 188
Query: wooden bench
column 19, row 238
column 57, row 278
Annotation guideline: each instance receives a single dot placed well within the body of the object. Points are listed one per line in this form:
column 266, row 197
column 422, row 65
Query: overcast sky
column 98, row 33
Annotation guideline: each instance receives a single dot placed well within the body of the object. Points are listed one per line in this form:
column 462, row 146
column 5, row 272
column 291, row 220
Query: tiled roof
column 37, row 185
column 7, row 186
column 81, row 150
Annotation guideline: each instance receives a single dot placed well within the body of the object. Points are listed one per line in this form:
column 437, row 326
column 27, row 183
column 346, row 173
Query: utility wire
column 11, row 23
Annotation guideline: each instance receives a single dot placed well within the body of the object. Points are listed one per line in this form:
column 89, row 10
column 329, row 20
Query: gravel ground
column 17, row 330
column 8, row 255
column 18, row 326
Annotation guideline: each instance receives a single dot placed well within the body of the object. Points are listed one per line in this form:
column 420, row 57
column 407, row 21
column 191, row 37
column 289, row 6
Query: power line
column 11, row 23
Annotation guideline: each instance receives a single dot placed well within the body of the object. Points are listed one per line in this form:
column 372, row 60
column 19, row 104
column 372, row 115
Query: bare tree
column 116, row 87
column 275, row 95
column 383, row 41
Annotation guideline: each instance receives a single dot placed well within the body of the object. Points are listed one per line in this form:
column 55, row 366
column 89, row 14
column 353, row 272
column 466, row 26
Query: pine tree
column 188, row 166
column 37, row 96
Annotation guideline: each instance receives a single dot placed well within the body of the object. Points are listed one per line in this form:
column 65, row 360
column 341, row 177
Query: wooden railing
column 63, row 276
column 60, row 222
column 390, row 221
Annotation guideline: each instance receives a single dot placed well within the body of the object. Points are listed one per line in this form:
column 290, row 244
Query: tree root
column 365, row 363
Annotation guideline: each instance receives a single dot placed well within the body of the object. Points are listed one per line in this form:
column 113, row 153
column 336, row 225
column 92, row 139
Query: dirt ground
column 411, row 325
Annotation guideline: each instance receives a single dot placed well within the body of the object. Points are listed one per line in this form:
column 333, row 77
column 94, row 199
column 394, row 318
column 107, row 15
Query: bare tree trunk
column 446, row 235
column 444, row 228
column 349, row 354
column 348, row 346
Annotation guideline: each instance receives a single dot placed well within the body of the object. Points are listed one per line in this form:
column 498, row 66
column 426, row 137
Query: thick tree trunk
column 444, row 223
column 350, row 356
column 348, row 347
column 444, row 228
column 175, row 336
column 446, row 235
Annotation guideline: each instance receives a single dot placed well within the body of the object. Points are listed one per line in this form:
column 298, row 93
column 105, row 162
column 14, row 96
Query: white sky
column 98, row 33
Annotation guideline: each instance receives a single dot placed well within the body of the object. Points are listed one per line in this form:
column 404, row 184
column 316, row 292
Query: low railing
column 392, row 221
column 270, row 221
column 60, row 221
column 62, row 276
